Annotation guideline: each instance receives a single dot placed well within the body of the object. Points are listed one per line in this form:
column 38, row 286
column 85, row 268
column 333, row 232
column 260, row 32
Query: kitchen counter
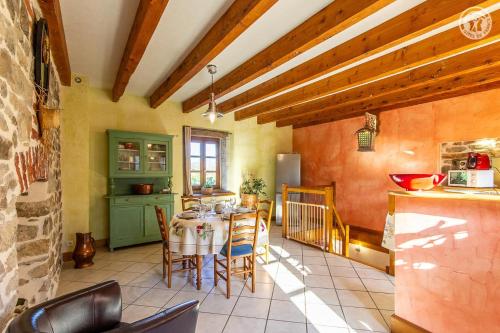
column 440, row 193
column 447, row 260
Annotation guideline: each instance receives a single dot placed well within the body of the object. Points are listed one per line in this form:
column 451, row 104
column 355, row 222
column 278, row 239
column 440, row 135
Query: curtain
column 186, row 137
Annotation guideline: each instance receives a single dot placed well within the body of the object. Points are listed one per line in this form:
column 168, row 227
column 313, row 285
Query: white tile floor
column 301, row 290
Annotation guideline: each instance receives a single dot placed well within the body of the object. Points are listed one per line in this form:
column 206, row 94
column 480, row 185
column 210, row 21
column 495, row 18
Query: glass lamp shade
column 211, row 112
column 366, row 139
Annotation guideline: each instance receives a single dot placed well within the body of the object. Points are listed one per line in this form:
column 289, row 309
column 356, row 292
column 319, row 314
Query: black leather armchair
column 99, row 309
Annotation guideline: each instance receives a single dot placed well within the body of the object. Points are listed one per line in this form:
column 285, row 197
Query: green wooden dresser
column 136, row 158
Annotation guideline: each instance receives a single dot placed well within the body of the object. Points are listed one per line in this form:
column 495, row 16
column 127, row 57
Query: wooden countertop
column 137, row 195
column 440, row 193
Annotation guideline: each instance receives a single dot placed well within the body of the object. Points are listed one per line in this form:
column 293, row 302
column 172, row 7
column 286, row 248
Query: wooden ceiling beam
column 408, row 25
column 478, row 58
column 453, row 83
column 146, row 20
column 460, row 91
column 51, row 11
column 431, row 49
column 241, row 15
column 331, row 20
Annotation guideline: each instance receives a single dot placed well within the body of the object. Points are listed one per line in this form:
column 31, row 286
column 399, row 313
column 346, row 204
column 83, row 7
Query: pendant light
column 212, row 112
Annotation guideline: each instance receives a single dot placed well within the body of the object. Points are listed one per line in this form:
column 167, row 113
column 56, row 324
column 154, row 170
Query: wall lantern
column 366, row 135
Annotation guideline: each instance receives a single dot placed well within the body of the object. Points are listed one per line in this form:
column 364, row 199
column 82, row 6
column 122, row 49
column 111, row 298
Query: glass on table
column 202, row 211
column 232, row 202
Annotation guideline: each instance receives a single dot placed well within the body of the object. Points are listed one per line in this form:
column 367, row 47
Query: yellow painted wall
column 75, row 160
column 253, row 147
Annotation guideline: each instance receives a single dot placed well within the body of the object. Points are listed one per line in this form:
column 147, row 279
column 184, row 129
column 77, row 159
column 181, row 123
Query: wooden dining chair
column 188, row 203
column 188, row 262
column 265, row 207
column 241, row 244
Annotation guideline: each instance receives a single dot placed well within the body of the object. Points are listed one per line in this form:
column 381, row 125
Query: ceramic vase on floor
column 84, row 250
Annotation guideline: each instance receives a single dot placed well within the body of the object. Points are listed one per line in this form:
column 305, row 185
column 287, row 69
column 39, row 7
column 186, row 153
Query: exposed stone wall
column 30, row 224
column 39, row 231
column 454, row 154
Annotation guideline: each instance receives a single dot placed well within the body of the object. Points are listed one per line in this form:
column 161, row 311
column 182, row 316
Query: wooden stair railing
column 314, row 218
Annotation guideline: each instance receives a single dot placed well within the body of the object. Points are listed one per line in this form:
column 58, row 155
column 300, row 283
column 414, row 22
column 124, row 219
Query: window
column 205, row 162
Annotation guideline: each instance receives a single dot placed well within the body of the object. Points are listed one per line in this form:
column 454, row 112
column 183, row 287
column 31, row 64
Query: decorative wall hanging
column 42, row 60
column 366, row 135
column 47, row 117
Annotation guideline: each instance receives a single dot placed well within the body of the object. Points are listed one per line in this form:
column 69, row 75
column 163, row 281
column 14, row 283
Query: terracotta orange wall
column 408, row 142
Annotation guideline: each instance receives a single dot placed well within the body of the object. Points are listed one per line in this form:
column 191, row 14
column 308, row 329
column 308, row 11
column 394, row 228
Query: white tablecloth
column 205, row 235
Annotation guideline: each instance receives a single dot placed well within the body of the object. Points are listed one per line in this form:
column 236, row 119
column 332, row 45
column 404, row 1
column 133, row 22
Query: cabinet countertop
column 137, row 195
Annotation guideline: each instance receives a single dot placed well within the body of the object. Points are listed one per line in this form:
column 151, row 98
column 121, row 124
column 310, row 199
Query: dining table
column 205, row 234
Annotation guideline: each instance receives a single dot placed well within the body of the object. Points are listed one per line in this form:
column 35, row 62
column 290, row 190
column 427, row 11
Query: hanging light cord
column 212, row 83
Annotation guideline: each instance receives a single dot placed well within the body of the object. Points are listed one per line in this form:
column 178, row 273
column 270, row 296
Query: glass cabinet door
column 128, row 156
column 156, row 157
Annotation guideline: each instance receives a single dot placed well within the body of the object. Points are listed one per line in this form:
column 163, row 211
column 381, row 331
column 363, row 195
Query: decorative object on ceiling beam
column 212, row 112
column 146, row 20
column 51, row 11
column 432, row 49
column 241, row 15
column 463, row 69
column 329, row 21
column 366, row 135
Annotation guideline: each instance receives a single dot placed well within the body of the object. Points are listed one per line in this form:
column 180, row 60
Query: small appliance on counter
column 478, row 161
column 478, row 174
column 471, row 178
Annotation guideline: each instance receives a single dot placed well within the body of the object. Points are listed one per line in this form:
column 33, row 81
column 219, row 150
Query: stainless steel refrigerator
column 287, row 172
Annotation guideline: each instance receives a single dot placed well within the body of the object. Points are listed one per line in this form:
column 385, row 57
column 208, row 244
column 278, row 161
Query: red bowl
column 417, row 181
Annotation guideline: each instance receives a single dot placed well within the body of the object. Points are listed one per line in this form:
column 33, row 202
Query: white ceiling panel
column 182, row 26
column 96, row 35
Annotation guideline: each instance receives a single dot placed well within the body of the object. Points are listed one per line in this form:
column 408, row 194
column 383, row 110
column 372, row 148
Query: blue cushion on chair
column 240, row 250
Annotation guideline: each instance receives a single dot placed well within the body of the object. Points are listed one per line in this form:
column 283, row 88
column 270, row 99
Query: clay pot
column 207, row 190
column 249, row 200
column 84, row 250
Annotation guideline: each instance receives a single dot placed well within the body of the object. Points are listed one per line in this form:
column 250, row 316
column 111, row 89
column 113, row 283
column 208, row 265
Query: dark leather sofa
column 99, row 309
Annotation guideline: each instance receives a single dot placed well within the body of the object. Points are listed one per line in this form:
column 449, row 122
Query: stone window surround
column 225, row 154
